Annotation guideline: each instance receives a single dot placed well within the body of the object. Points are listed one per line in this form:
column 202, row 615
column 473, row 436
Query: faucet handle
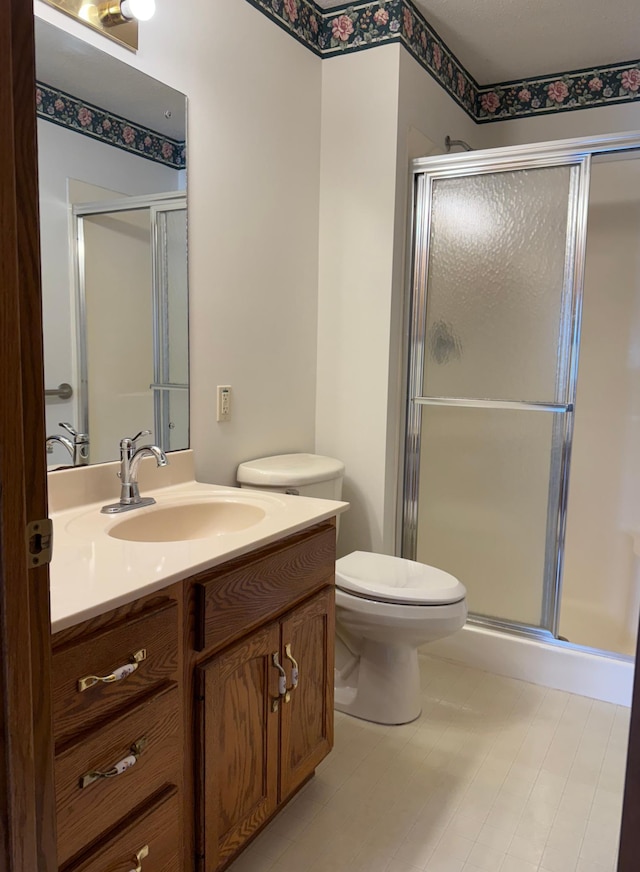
column 77, row 437
column 130, row 441
column 70, row 430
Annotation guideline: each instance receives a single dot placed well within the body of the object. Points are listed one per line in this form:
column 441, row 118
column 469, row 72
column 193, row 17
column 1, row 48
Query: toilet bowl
column 386, row 607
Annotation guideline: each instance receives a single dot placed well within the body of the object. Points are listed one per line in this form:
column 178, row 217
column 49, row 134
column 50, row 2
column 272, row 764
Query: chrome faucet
column 77, row 446
column 130, row 457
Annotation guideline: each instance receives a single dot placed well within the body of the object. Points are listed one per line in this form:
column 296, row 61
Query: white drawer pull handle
column 282, row 677
column 117, row 674
column 142, row 854
column 118, row 768
column 295, row 671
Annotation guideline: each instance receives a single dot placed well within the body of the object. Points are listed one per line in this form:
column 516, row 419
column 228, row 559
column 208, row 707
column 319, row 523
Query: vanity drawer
column 111, row 652
column 144, row 742
column 232, row 602
column 150, row 839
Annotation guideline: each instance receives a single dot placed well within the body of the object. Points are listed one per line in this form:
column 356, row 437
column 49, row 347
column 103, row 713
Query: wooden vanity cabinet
column 118, row 732
column 262, row 729
column 197, row 683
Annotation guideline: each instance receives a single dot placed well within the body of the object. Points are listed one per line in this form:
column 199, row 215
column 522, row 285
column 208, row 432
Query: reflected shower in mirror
column 111, row 153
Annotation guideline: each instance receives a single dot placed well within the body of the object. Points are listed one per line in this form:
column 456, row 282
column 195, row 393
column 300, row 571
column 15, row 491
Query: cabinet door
column 307, row 718
column 238, row 771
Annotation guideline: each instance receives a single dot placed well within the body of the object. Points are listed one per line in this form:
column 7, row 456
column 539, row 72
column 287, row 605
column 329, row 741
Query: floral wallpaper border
column 82, row 117
column 371, row 24
column 581, row 89
column 359, row 26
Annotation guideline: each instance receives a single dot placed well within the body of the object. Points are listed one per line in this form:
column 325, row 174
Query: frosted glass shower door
column 494, row 339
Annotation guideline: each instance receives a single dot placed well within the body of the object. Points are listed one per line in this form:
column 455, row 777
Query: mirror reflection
column 111, row 153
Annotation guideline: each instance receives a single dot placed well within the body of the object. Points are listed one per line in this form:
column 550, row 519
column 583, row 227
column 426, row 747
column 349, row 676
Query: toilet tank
column 309, row 475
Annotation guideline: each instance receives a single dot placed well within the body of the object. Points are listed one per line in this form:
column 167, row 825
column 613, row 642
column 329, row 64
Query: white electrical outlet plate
column 223, row 403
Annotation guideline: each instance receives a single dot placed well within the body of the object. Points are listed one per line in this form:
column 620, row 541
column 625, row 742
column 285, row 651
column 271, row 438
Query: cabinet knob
column 117, row 675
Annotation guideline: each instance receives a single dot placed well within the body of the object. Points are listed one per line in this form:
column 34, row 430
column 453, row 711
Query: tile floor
column 497, row 775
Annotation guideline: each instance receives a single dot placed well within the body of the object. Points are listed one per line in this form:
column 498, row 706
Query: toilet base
column 384, row 685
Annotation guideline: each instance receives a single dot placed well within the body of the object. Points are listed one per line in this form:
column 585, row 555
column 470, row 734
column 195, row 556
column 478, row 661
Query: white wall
column 601, row 586
column 254, row 162
column 64, row 155
column 563, row 125
column 379, row 110
column 253, row 188
column 357, row 212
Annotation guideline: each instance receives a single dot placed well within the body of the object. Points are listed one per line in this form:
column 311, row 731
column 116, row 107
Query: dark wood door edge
column 27, row 832
column 629, row 856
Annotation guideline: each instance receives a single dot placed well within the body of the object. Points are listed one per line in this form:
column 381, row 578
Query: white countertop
column 92, row 572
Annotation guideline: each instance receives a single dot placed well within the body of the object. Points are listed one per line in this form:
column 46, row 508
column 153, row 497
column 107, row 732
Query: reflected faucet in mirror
column 77, row 445
column 130, row 457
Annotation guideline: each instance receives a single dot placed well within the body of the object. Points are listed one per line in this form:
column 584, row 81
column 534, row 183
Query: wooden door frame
column 629, row 857
column 27, row 806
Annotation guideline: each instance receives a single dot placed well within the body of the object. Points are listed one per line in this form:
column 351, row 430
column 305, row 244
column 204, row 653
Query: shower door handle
column 471, row 403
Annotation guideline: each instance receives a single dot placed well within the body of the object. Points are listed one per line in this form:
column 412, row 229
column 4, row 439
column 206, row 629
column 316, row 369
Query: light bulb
column 87, row 11
column 143, row 10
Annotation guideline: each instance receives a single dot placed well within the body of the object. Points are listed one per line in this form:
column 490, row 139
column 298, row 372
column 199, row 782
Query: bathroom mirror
column 112, row 177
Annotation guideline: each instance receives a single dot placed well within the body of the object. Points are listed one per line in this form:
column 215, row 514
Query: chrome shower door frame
column 162, row 386
column 424, row 173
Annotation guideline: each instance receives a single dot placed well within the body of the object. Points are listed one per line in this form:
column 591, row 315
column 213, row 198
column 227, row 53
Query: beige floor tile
column 249, row 862
column 494, row 838
column 563, row 859
column 525, row 850
column 445, row 864
column 591, row 866
column 512, row 864
column 485, row 857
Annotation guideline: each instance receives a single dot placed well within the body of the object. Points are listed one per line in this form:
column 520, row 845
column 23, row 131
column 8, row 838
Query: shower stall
column 522, row 448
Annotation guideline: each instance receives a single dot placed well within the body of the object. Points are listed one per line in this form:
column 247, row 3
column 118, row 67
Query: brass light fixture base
column 105, row 17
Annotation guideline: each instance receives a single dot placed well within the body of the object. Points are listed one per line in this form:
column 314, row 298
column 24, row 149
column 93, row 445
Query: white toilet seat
column 384, row 612
column 395, row 580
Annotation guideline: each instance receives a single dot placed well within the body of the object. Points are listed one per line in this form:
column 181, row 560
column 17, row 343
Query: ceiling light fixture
column 121, row 11
column 117, row 19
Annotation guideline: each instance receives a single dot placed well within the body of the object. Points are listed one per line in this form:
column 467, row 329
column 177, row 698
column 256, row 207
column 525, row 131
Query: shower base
column 561, row 665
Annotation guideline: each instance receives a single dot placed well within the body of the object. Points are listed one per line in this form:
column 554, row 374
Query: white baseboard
column 561, row 666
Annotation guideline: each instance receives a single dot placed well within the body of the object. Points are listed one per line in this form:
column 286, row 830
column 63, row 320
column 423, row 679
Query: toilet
column 386, row 607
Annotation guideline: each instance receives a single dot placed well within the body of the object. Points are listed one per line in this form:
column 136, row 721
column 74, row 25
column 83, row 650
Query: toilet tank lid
column 289, row 469
column 396, row 580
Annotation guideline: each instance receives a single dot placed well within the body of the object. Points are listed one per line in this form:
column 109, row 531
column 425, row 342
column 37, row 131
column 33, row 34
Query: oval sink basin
column 188, row 521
